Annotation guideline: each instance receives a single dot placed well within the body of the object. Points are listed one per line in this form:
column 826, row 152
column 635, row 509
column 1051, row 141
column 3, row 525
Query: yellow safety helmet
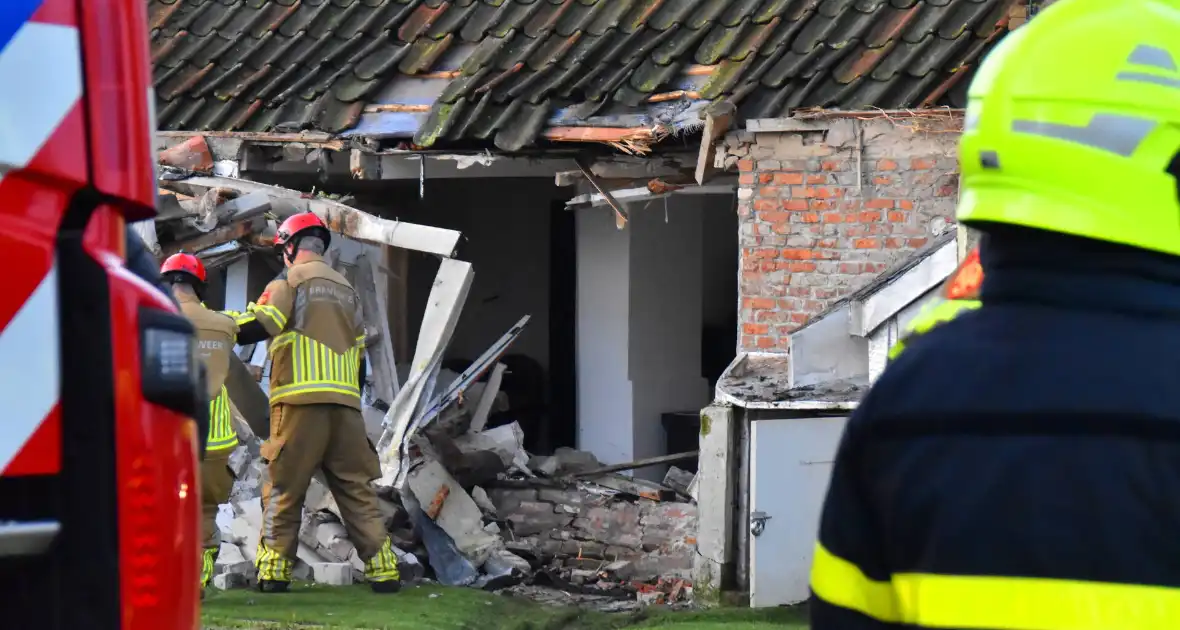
column 1073, row 125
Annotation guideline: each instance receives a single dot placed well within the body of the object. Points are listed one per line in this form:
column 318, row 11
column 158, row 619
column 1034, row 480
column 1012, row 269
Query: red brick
column 826, row 242
column 870, row 216
column 827, row 193
column 817, row 179
column 773, row 215
column 802, row 191
column 761, row 254
column 765, row 178
column 802, row 267
column 850, row 204
column 758, row 302
column 819, row 204
column 755, row 329
column 905, row 204
column 829, row 165
column 917, row 242
column 765, row 342
column 746, row 164
column 747, row 341
column 770, row 192
column 763, row 205
column 894, row 243
column 866, row 243
column 897, row 217
column 797, row 254
column 882, row 180
column 833, row 217
column 851, row 217
column 879, row 204
column 882, row 165
column 746, row 179
column 788, row 179
column 809, row 217
column 849, row 267
column 768, row 265
column 799, row 292
column 920, row 164
column 800, row 318
column 947, row 191
column 795, row 204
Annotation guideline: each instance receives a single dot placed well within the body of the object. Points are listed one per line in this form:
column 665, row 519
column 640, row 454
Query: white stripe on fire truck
column 30, row 384
column 41, row 71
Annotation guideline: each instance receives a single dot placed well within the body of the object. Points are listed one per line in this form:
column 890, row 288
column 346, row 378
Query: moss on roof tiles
column 255, row 64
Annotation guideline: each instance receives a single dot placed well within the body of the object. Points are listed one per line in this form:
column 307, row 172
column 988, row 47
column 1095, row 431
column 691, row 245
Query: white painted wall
column 604, row 387
column 666, row 292
column 640, row 314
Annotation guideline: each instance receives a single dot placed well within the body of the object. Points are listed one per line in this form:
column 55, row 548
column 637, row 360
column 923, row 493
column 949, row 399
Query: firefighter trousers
column 217, row 480
column 332, row 438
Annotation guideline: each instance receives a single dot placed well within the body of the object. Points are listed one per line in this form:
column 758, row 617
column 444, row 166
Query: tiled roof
column 504, row 70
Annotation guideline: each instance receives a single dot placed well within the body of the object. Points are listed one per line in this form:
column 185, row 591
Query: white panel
column 790, row 465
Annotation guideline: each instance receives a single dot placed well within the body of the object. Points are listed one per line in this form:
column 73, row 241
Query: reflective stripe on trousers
column 208, row 557
column 318, row 368
column 383, row 566
column 1000, row 603
column 272, row 565
column 221, row 423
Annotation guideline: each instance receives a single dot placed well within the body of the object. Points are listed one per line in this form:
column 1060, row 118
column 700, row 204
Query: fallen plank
column 640, row 463
column 480, row 418
column 216, row 237
column 443, row 308
column 340, row 218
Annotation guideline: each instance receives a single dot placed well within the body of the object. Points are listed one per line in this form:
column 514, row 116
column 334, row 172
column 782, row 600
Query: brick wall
column 823, row 211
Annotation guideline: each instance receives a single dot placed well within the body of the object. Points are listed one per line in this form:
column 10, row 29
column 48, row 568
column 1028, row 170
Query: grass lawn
column 441, row 608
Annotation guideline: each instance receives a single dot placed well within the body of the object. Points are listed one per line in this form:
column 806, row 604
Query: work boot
column 273, row 586
column 386, row 586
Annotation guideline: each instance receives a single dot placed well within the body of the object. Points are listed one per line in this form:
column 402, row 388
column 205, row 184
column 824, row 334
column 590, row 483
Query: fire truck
column 98, row 379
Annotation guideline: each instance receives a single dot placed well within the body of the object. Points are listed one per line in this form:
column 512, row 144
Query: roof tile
column 267, row 64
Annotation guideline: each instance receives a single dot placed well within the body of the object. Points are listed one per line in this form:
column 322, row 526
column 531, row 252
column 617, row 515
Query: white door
column 790, row 465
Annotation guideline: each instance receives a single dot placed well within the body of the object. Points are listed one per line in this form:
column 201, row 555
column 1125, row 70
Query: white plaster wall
column 666, row 316
column 603, row 296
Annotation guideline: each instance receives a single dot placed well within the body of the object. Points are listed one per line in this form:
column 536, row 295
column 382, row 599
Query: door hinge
column 758, row 522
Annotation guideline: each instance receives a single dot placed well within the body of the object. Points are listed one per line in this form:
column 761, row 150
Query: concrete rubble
column 608, row 541
column 464, row 503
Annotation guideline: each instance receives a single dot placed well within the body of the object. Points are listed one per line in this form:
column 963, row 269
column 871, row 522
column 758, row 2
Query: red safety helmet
column 184, row 263
column 299, row 223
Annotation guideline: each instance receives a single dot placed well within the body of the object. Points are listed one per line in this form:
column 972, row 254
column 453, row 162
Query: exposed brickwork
column 817, row 222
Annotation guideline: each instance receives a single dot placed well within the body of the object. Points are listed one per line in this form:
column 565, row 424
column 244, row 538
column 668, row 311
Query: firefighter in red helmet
column 313, row 318
column 216, row 336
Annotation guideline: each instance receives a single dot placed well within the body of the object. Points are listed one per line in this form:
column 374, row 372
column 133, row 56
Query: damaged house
column 575, row 223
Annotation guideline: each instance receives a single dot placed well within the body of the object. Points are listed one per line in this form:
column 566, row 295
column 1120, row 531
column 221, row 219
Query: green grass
column 355, row 607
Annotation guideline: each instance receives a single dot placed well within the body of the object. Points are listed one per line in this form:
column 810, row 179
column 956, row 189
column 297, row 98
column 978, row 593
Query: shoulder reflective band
column 1012, row 603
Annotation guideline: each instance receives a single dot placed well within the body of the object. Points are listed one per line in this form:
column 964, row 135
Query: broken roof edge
column 814, row 119
column 769, row 370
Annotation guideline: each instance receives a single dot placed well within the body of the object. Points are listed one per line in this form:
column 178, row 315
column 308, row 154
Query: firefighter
column 216, row 335
column 1017, row 466
column 313, row 318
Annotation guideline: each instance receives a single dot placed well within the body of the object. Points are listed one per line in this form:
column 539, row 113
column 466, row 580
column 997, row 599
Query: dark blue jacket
column 1019, row 466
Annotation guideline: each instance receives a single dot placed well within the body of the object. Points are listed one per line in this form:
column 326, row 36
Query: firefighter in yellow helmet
column 313, row 317
column 216, row 335
column 1017, row 466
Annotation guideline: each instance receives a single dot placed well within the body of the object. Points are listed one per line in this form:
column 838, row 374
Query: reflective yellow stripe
column 318, row 368
column 207, row 558
column 241, row 319
column 1011, row 603
column 382, row 567
column 221, row 423
column 272, row 565
column 930, row 317
column 273, row 313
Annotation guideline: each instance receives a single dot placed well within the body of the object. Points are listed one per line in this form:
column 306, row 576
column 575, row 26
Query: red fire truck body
column 98, row 381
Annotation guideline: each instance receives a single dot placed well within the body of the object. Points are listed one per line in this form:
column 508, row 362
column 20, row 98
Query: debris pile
column 464, row 503
column 476, row 510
